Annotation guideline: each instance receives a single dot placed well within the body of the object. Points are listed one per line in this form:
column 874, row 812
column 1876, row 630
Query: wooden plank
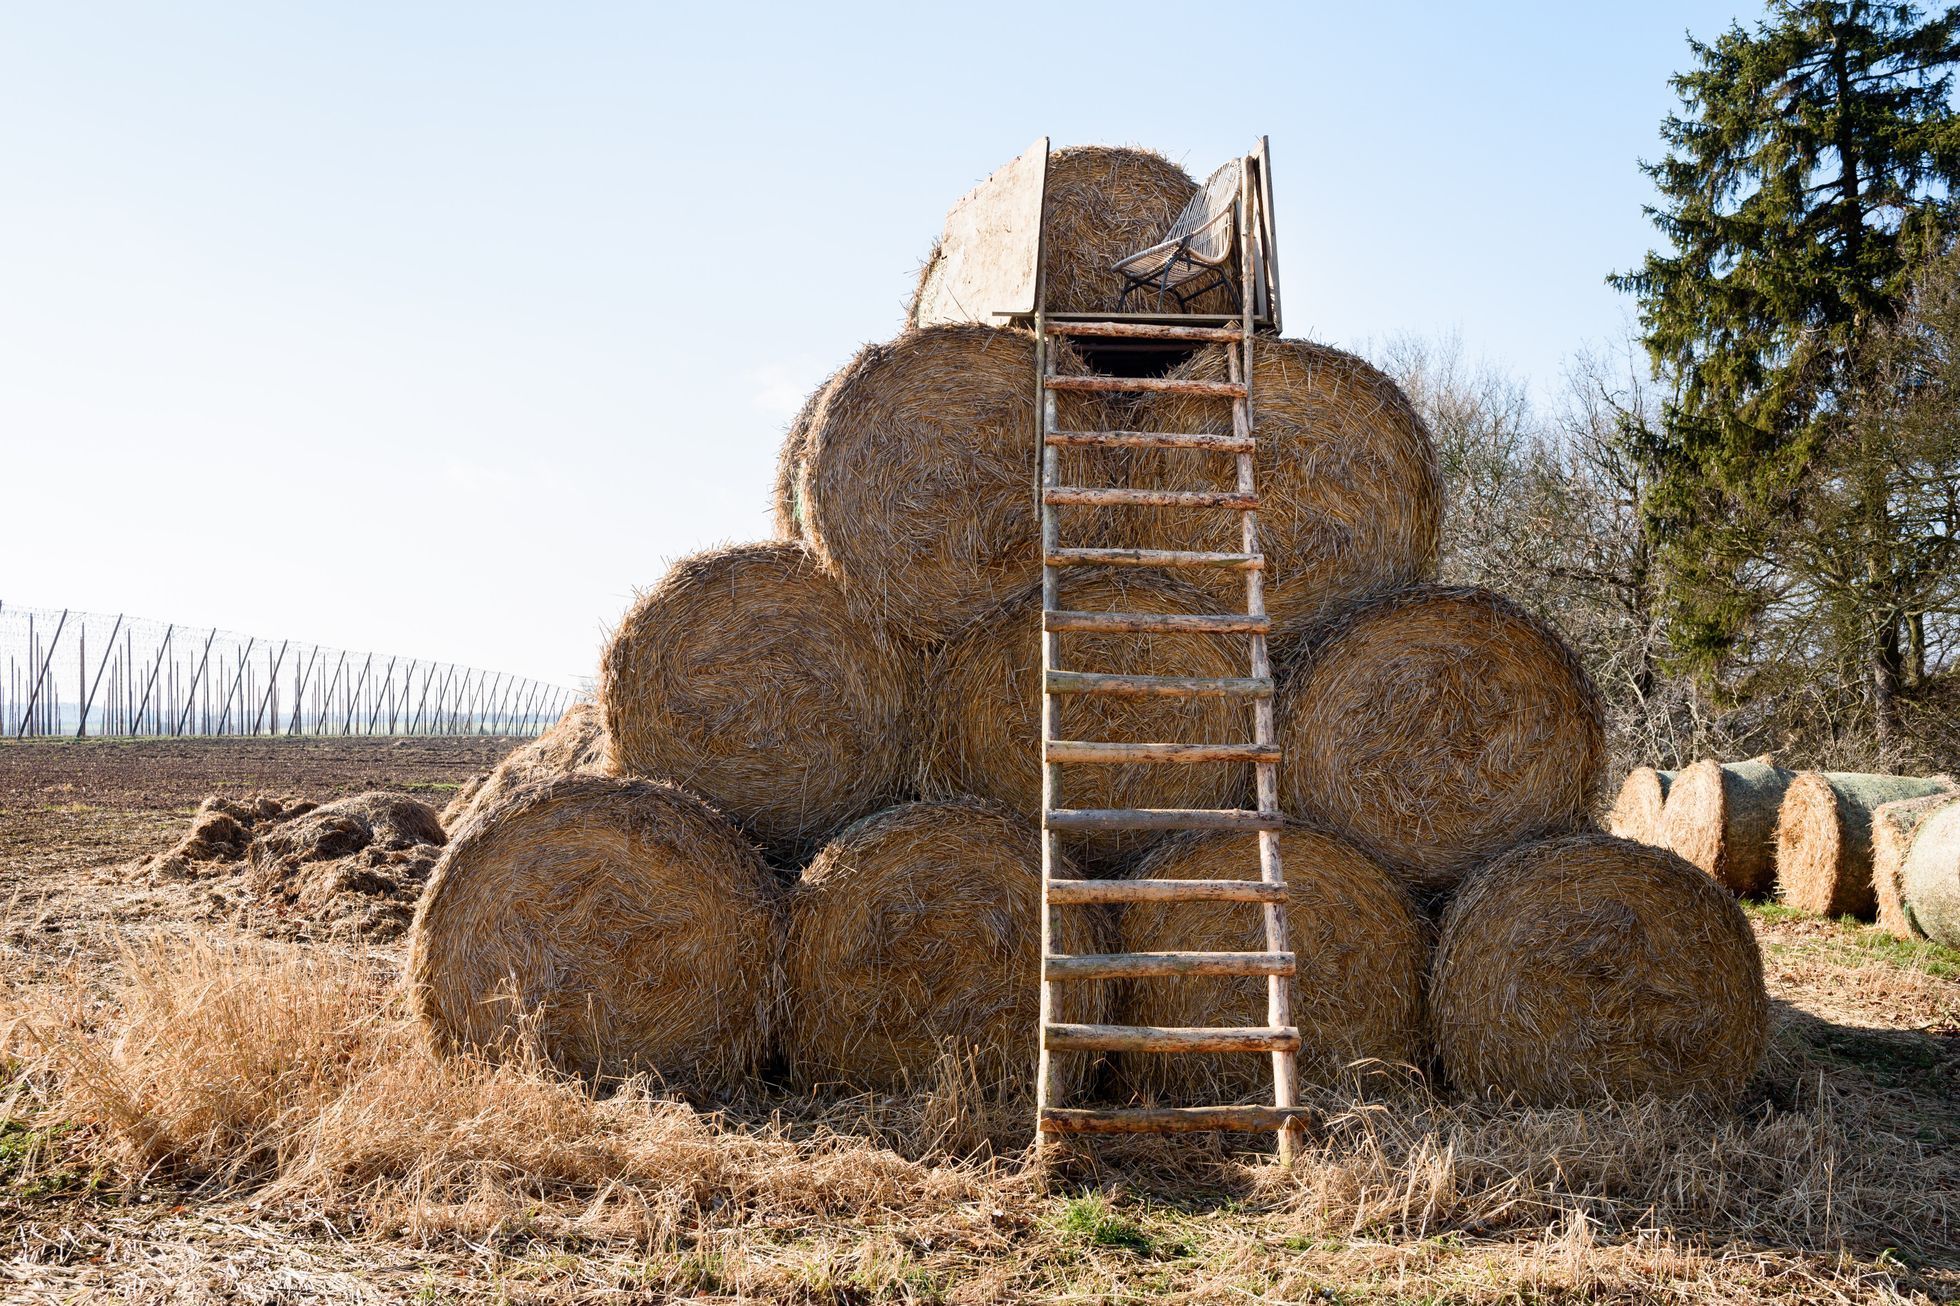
column 1162, row 818
column 989, row 256
column 1115, row 686
column 1168, row 1038
column 1125, row 497
column 1143, row 965
column 1076, row 750
column 1279, row 992
column 1145, row 384
column 1269, row 235
column 1170, row 1119
column 1049, row 1082
column 1200, row 623
column 1116, row 891
column 1168, row 319
column 1151, row 558
column 1119, row 330
column 1149, row 440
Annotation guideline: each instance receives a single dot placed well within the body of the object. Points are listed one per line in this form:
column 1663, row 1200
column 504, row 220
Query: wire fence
column 85, row 674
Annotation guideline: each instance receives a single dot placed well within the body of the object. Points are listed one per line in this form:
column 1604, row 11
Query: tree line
column 1748, row 521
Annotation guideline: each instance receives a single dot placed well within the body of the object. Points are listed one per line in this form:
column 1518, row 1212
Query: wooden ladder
column 1278, row 1037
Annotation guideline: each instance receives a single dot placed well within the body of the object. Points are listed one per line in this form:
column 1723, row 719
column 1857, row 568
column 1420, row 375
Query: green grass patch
column 32, row 1164
column 1851, row 942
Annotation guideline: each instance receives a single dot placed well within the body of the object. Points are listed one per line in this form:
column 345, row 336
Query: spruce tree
column 1806, row 177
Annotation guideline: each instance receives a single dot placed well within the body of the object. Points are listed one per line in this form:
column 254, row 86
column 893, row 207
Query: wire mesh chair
column 1195, row 256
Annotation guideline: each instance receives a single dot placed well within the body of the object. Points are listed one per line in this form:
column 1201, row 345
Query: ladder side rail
column 1279, row 995
column 1047, row 1079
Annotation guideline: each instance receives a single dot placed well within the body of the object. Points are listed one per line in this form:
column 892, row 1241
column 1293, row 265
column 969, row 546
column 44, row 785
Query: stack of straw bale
column 799, row 826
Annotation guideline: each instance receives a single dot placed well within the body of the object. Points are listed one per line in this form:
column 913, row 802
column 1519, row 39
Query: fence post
column 224, row 716
column 299, row 690
column 81, row 727
column 271, row 682
column 35, row 693
column 190, row 692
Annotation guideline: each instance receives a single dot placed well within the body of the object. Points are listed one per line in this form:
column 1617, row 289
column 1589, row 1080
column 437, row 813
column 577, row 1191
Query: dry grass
column 620, row 924
column 293, row 1086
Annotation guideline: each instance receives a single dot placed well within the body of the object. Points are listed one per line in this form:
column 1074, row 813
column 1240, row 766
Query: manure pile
column 351, row 868
column 796, row 834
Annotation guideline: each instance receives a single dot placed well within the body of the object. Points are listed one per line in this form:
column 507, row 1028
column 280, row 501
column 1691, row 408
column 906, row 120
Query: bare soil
column 1837, row 1180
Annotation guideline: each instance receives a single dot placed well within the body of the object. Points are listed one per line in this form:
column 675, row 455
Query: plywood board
column 990, row 253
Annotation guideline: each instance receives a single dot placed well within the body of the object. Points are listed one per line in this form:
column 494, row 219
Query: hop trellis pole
column 133, row 677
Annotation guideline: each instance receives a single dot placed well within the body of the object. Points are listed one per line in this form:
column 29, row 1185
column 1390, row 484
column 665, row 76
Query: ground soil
column 1859, row 1015
column 77, row 817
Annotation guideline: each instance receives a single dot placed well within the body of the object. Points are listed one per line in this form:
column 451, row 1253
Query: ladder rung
column 1152, row 558
column 1162, row 818
column 1106, row 891
column 1150, row 384
column 1125, row 497
column 1170, row 1119
column 1152, row 440
column 1139, row 965
column 1227, row 623
column 1169, row 1038
column 1077, row 750
column 1232, row 320
column 1093, row 682
column 1143, row 331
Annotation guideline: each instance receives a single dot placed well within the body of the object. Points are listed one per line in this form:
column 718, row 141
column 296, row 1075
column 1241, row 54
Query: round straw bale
column 787, row 500
column 1588, row 967
column 460, row 804
column 1824, row 838
column 620, row 923
column 1931, row 878
column 983, row 717
column 1353, row 928
column 1436, row 727
column 743, row 677
column 917, row 932
column 1350, row 496
column 576, row 741
column 917, row 472
column 1893, row 825
column 1101, row 204
column 1722, row 818
column 1636, row 812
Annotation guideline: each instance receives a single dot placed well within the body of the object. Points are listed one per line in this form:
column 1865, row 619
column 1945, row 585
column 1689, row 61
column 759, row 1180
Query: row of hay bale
column 1827, row 843
column 622, row 925
column 799, row 826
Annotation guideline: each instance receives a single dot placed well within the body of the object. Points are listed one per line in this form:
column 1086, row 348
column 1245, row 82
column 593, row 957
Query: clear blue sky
column 438, row 328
